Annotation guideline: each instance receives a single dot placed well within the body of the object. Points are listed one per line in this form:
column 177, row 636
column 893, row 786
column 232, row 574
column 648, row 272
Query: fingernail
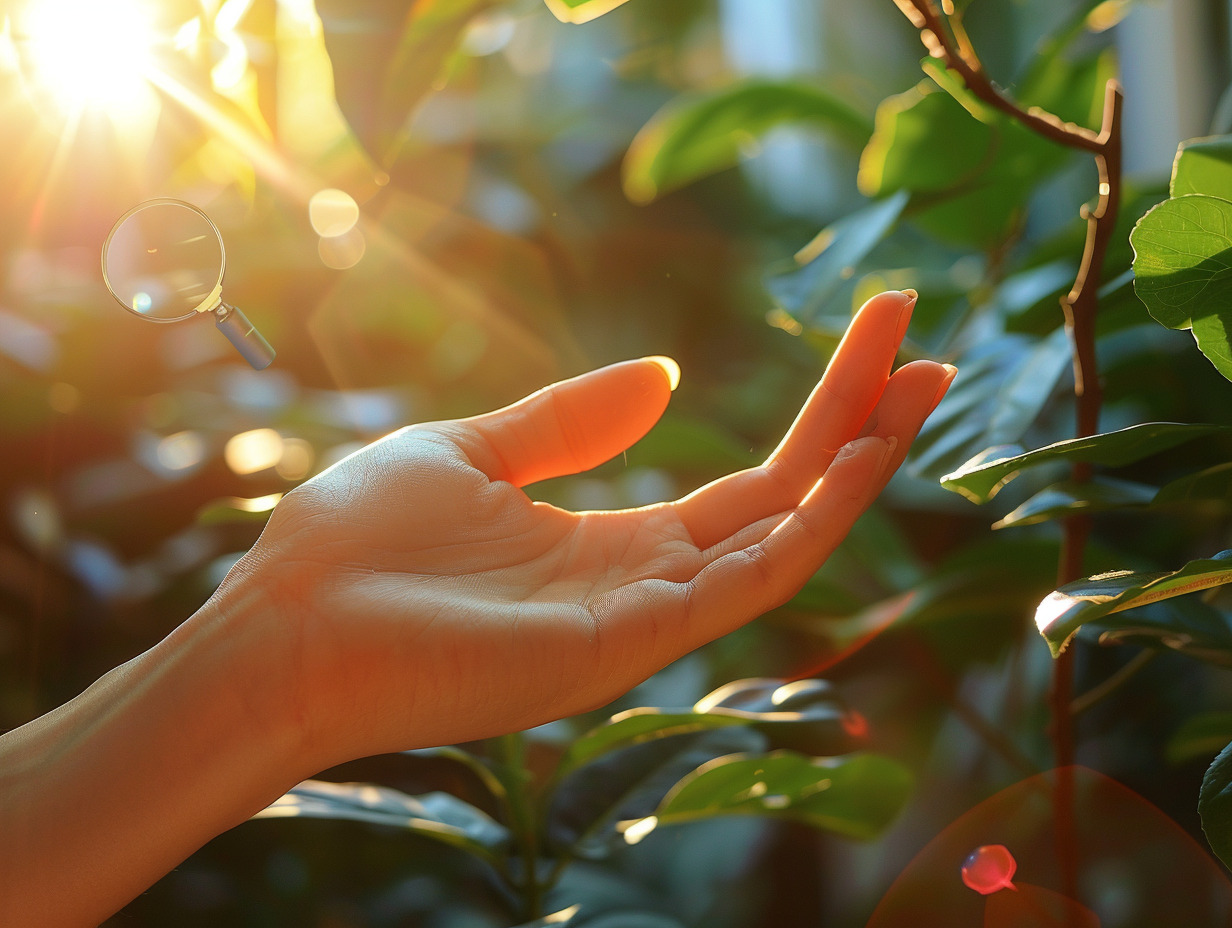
column 669, row 367
column 904, row 314
column 950, row 373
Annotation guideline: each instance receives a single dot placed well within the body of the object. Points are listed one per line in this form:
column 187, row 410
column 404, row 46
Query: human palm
column 427, row 599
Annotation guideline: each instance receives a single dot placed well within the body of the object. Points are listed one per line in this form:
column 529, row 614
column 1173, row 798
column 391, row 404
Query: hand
column 416, row 596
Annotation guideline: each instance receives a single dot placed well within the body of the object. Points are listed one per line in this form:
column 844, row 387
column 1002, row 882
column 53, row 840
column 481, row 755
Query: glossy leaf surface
column 981, row 478
column 1065, row 610
column 440, row 816
column 856, row 796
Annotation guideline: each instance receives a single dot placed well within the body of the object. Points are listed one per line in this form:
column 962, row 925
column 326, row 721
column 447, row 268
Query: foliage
column 535, row 197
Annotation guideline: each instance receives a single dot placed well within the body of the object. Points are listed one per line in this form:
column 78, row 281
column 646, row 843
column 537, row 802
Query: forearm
column 103, row 796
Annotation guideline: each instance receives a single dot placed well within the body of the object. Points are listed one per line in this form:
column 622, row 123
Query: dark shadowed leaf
column 1215, row 805
column 856, row 796
column 440, row 816
column 981, row 478
column 1067, row 609
column 476, row 765
column 1200, row 736
column 586, row 805
column 695, row 136
column 1067, row 498
column 1213, row 483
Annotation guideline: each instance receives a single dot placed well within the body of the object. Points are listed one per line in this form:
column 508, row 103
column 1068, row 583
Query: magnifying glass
column 163, row 260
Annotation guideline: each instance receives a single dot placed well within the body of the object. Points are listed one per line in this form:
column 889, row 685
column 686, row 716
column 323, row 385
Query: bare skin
column 413, row 595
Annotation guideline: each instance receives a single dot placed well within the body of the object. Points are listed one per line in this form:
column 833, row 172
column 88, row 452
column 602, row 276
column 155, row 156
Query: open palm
column 425, row 598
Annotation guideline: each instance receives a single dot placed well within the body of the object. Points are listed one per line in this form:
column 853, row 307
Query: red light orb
column 989, row 869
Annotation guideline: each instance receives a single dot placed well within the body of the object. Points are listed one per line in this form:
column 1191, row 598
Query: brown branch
column 940, row 43
column 1080, row 307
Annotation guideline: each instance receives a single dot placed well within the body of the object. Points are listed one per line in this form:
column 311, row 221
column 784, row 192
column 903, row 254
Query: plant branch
column 945, row 39
column 958, row 55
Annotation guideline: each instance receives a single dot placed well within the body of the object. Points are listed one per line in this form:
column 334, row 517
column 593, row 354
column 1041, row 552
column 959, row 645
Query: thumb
column 573, row 425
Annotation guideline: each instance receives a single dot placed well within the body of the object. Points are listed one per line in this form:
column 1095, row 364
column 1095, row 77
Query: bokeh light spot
column 181, row 450
column 253, row 451
column 297, row 459
column 332, row 212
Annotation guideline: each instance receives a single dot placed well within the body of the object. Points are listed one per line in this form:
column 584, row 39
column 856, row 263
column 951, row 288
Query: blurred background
column 425, row 211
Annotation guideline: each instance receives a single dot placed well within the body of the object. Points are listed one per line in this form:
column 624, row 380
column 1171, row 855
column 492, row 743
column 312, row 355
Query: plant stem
column 946, row 40
column 522, row 820
column 1099, row 693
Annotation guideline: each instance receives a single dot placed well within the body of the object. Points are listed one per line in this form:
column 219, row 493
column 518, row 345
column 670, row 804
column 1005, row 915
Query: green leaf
column 1059, row 616
column 971, row 169
column 827, row 264
column 1183, row 270
column 1203, row 166
column 1215, row 805
column 386, row 58
column 1100, row 494
column 981, row 478
column 629, row 783
column 581, row 11
column 1200, row 736
column 694, row 136
column 1213, row 483
column 809, row 710
column 440, row 816
column 856, row 796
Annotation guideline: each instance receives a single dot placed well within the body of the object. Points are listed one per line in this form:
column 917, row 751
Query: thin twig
column 1114, row 682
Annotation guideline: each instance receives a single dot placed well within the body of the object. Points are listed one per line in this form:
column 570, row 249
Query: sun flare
column 87, row 54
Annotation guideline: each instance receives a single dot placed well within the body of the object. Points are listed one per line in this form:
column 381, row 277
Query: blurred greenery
column 433, row 208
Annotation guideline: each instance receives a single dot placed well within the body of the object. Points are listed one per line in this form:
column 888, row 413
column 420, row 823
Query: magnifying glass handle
column 244, row 336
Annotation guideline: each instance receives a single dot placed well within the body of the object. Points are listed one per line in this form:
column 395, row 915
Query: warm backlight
column 89, row 53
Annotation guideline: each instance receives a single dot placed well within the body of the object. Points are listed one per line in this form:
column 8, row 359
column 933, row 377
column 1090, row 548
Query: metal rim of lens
column 140, row 207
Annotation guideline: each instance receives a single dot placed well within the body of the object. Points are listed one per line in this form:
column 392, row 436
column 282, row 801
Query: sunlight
column 90, row 55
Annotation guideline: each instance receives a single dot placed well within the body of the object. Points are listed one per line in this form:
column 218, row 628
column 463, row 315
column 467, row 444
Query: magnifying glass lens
column 164, row 260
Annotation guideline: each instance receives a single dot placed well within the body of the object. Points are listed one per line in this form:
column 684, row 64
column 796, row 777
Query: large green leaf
column 802, row 710
column 981, row 478
column 698, row 135
column 827, row 264
column 581, row 11
column 1059, row 616
column 386, row 57
column 1183, row 270
column 440, row 816
column 1203, row 166
column 1215, row 805
column 1100, row 494
column 856, row 796
column 971, row 169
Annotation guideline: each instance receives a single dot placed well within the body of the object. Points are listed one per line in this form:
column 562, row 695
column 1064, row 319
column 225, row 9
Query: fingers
column 742, row 584
column 834, row 414
column 573, row 425
column 765, row 563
